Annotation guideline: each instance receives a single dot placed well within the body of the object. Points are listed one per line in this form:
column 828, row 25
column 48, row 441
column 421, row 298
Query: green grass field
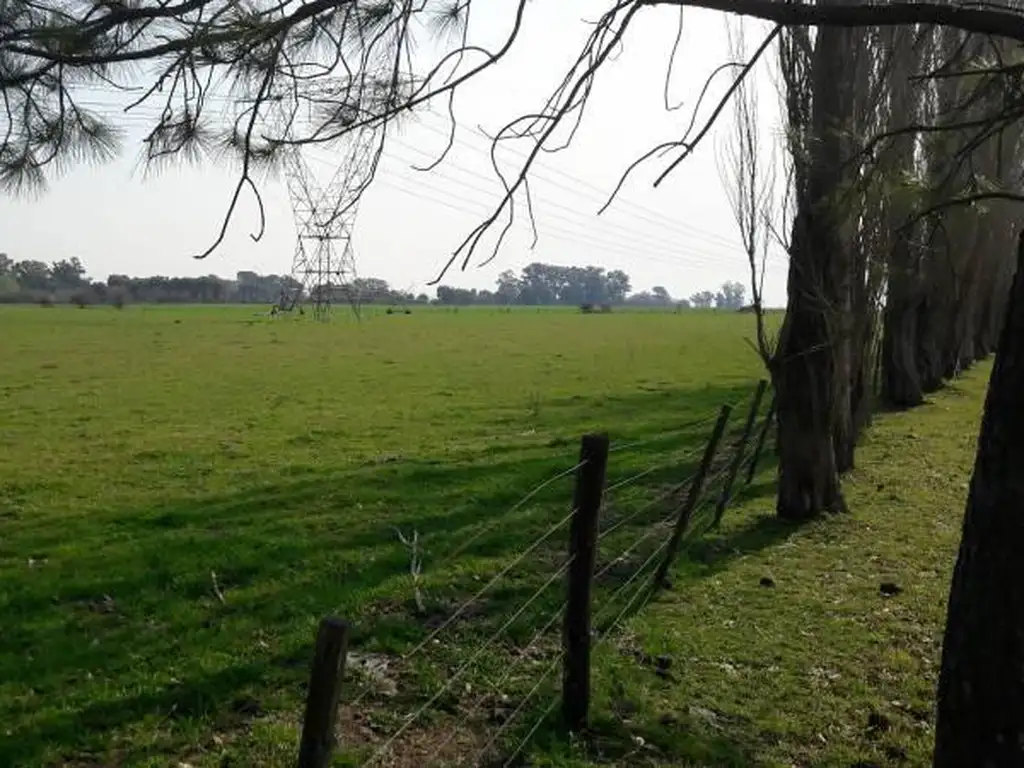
column 146, row 450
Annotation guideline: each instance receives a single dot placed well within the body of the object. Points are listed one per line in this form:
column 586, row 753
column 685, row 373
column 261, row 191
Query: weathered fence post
column 737, row 460
column 318, row 738
column 760, row 441
column 583, row 554
column 692, row 497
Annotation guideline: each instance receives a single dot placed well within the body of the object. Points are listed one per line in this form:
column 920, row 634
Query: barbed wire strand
column 675, row 488
column 547, row 626
column 496, row 685
column 501, row 574
column 602, row 638
column 662, row 435
column 664, row 465
column 635, row 544
column 718, row 474
column 640, row 590
column 526, row 739
column 382, row 750
column 465, row 605
column 625, row 586
column 600, row 573
column 514, row 508
column 516, row 712
column 547, row 672
column 604, row 635
column 555, row 700
column 654, row 529
column 462, row 608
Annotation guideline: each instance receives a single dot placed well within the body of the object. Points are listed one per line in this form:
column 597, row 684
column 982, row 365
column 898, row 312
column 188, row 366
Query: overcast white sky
column 681, row 235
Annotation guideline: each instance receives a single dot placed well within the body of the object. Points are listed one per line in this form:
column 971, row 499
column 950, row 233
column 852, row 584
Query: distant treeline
column 65, row 281
column 537, row 285
column 551, row 285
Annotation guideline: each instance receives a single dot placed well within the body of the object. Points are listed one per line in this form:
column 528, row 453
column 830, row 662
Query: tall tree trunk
column 901, row 379
column 859, row 212
column 804, row 377
column 810, row 371
column 1006, row 156
column 997, row 300
column 946, row 245
column 929, row 335
column 981, row 684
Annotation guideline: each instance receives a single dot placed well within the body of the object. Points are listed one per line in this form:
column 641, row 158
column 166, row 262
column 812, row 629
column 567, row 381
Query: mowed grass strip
column 184, row 492
column 816, row 645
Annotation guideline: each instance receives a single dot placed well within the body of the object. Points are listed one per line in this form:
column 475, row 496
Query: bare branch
column 998, row 21
column 692, row 145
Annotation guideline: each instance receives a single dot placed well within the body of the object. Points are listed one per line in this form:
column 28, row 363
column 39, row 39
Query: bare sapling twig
column 217, row 592
column 748, row 174
column 415, row 566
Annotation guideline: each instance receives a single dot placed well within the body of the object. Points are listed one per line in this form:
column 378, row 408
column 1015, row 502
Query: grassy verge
column 185, row 492
column 784, row 647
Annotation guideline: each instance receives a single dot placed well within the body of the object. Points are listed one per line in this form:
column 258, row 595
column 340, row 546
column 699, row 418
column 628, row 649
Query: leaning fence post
column 692, row 496
column 582, row 556
column 726, row 497
column 760, row 441
column 318, row 738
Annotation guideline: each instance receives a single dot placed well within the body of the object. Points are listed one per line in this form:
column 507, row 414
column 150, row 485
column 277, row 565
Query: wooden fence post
column 583, row 532
column 318, row 738
column 760, row 441
column 737, row 460
column 692, row 497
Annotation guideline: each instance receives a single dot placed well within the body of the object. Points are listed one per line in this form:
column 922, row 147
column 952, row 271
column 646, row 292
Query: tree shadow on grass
column 214, row 696
column 138, row 596
column 672, row 736
column 619, row 737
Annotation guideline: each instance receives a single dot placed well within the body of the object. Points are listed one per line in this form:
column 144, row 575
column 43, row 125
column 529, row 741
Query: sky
column 118, row 219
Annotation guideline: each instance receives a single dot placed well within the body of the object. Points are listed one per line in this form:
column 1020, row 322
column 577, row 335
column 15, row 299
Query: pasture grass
column 184, row 492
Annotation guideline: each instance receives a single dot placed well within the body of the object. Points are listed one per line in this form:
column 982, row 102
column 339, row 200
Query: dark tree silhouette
column 981, row 685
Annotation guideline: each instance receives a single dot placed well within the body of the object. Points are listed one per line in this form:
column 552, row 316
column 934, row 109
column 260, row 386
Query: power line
column 555, row 233
column 598, row 194
column 591, row 219
column 628, row 235
column 622, row 239
column 626, row 248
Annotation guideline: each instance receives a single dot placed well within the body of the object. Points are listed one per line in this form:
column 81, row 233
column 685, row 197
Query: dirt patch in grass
column 443, row 741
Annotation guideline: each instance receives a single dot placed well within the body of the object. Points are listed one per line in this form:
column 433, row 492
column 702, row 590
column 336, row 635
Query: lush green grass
column 144, row 450
column 821, row 668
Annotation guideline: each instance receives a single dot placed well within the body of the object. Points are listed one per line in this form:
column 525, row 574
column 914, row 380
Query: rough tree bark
column 1005, row 158
column 857, row 114
column 955, row 255
column 997, row 299
column 981, row 684
column 901, row 380
column 810, row 372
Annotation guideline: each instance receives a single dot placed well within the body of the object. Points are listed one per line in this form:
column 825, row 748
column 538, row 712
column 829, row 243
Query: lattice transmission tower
column 325, row 217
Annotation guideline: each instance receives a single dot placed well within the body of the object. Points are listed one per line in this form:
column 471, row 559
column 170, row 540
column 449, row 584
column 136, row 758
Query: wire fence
column 481, row 683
